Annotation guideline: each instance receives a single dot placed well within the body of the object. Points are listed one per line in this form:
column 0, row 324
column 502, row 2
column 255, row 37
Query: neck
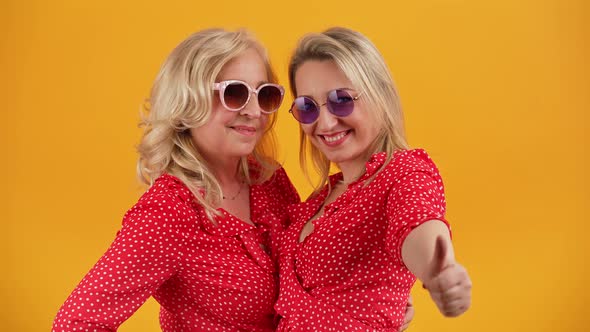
column 352, row 170
column 225, row 170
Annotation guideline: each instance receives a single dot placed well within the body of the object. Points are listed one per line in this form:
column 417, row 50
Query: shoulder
column 280, row 185
column 169, row 186
column 167, row 202
column 278, row 178
column 406, row 162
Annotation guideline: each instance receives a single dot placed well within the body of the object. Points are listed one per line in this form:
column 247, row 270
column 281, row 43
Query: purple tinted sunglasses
column 339, row 102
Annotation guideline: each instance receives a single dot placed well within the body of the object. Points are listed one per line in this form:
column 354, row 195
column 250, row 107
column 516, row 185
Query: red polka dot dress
column 348, row 274
column 205, row 277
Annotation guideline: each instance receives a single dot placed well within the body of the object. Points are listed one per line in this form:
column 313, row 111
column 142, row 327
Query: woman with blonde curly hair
column 203, row 239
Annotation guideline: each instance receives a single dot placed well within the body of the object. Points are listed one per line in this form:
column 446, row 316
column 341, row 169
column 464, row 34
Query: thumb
column 441, row 260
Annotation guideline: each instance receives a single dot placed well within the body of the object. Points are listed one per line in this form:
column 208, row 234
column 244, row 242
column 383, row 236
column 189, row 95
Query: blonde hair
column 364, row 66
column 181, row 99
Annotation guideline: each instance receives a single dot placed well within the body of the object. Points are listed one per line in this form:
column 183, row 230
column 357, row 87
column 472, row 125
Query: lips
column 335, row 138
column 245, row 130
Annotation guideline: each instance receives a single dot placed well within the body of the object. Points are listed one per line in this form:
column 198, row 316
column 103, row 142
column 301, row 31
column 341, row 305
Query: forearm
column 67, row 323
column 428, row 253
column 418, row 249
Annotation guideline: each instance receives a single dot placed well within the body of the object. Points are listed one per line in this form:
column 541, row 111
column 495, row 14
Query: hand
column 409, row 314
column 449, row 284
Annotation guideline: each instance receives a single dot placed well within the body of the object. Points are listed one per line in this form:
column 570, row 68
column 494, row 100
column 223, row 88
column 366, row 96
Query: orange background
column 497, row 91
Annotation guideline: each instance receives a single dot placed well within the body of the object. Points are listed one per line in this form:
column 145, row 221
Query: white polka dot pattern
column 348, row 274
column 205, row 277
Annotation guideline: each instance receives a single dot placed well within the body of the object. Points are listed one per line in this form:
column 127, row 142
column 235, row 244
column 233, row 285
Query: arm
column 418, row 233
column 428, row 254
column 419, row 246
column 409, row 315
column 141, row 258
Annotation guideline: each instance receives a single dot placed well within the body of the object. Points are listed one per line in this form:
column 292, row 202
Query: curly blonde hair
column 363, row 65
column 181, row 99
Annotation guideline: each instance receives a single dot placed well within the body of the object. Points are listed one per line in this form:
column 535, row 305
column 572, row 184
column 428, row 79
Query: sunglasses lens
column 270, row 98
column 236, row 95
column 305, row 110
column 340, row 102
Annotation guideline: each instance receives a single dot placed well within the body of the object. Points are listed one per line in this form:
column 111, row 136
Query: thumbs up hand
column 448, row 282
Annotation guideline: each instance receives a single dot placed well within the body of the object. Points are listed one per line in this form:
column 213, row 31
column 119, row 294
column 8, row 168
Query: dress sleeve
column 286, row 192
column 286, row 188
column 144, row 254
column 417, row 196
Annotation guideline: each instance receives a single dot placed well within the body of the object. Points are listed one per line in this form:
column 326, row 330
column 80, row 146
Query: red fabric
column 205, row 277
column 348, row 274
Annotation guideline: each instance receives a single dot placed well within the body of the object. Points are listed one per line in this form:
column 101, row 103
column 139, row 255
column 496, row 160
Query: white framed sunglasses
column 235, row 95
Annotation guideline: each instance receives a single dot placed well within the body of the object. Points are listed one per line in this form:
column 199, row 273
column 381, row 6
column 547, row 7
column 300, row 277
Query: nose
column 326, row 120
column 252, row 108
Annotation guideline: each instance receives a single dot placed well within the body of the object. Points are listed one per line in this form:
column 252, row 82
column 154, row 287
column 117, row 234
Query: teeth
column 335, row 138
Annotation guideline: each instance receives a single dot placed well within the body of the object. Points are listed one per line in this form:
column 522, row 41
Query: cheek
column 216, row 101
column 365, row 122
column 264, row 119
column 223, row 117
column 307, row 129
column 368, row 132
column 375, row 127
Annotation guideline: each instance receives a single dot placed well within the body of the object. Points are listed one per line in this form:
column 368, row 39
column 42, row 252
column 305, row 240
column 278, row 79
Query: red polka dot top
column 205, row 277
column 348, row 274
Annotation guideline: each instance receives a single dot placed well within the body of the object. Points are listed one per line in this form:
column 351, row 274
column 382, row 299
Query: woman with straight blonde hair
column 203, row 239
column 354, row 249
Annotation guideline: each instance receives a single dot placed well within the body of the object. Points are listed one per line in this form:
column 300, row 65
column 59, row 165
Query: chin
column 336, row 158
column 339, row 158
column 244, row 152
